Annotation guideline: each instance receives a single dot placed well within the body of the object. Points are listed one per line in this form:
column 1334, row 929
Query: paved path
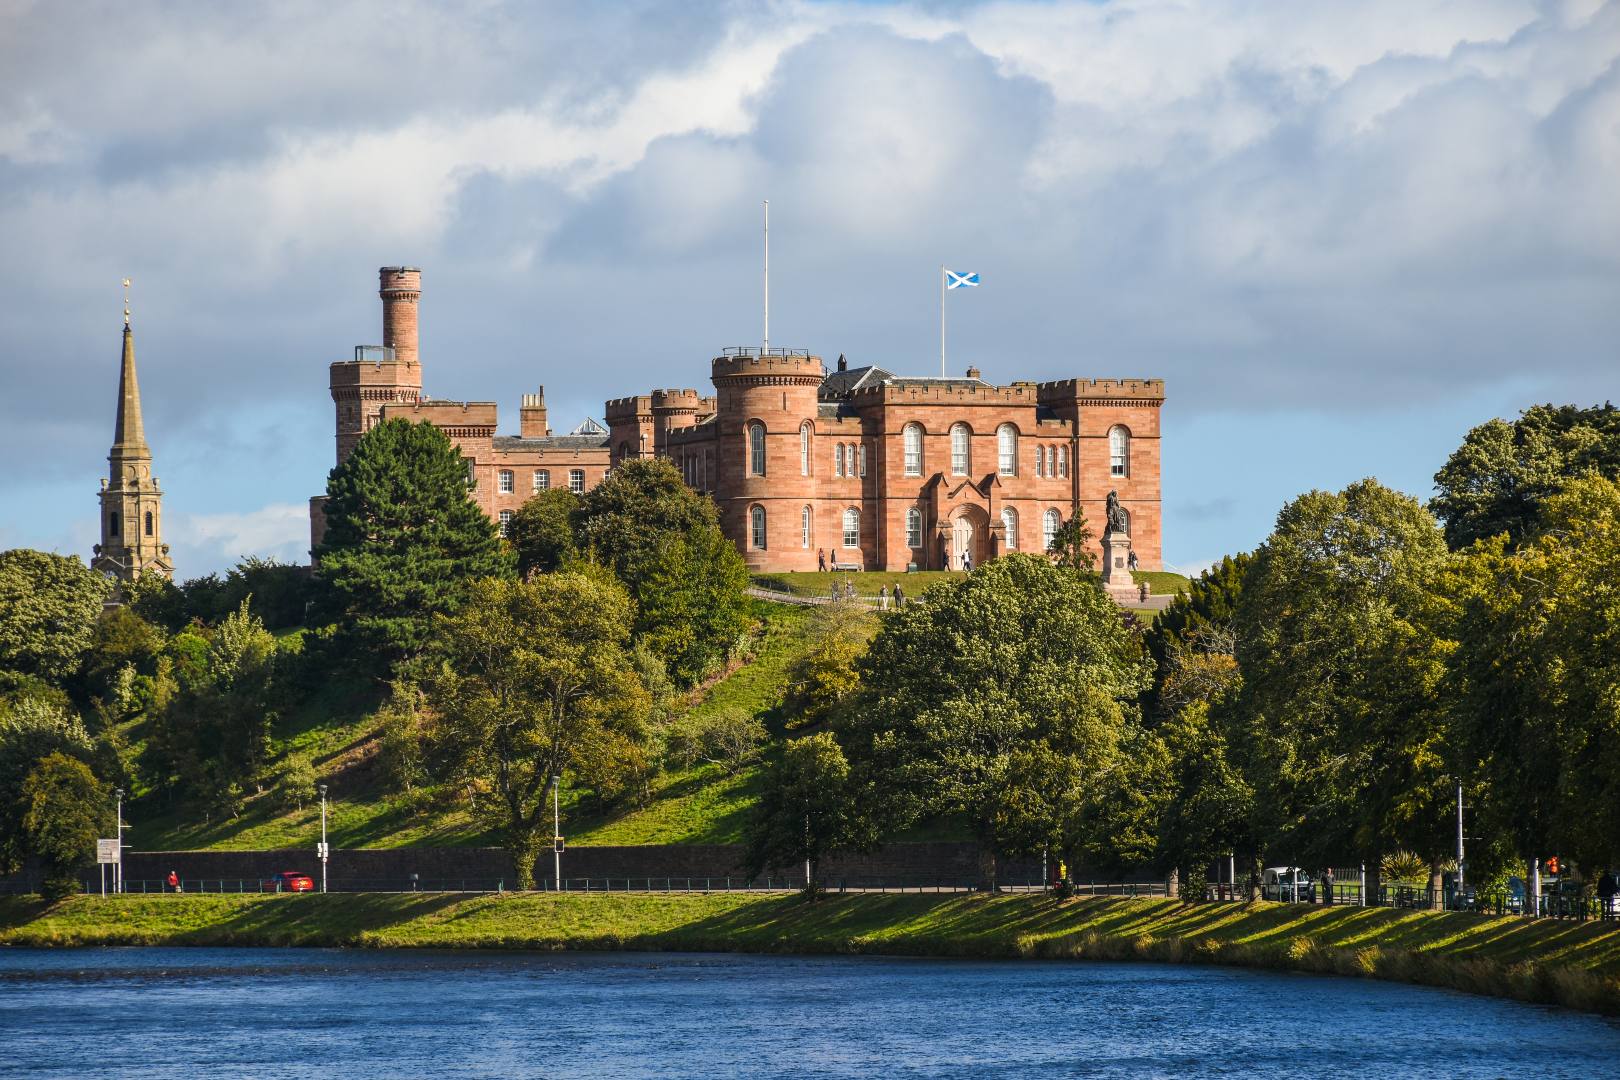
column 1131, row 603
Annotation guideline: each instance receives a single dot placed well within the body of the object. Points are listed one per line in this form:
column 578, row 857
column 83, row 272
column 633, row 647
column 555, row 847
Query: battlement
column 446, row 414
column 626, row 409
column 943, row 391
column 1102, row 389
column 683, row 400
column 374, row 370
column 749, row 362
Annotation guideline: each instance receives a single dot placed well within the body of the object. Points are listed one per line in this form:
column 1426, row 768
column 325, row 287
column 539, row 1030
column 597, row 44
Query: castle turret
column 131, row 502
column 401, row 288
column 766, row 415
column 384, row 374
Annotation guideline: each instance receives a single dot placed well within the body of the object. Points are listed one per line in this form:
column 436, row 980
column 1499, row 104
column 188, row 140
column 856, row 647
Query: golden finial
column 126, row 301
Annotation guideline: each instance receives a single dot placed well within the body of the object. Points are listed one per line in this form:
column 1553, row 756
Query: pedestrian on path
column 821, row 559
column 174, row 881
column 883, row 598
column 1327, row 886
column 899, row 597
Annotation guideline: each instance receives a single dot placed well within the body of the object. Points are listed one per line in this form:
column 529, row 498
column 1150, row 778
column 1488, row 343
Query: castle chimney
column 973, row 373
column 532, row 416
column 401, row 288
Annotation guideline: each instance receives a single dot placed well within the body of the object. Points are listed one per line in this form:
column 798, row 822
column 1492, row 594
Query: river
column 293, row 1013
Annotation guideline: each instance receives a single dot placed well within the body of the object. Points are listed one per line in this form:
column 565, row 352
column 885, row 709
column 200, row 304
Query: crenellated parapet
column 767, row 366
column 1102, row 391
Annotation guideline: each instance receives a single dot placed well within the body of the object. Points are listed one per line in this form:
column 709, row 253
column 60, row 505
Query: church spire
column 131, row 501
column 129, row 433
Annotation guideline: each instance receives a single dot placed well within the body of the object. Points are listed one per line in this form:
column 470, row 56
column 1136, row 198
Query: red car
column 288, row 881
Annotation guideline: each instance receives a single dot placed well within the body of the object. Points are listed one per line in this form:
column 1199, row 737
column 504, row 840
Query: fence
column 1578, row 907
column 620, row 884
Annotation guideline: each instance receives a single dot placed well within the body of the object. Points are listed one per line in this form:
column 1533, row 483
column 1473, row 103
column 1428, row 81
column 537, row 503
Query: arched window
column 914, row 459
column 506, row 481
column 804, row 448
column 805, row 520
column 112, row 524
column 913, row 528
column 149, row 523
column 1126, row 516
column 1119, row 451
column 1063, row 462
column 961, row 450
column 1007, row 450
column 576, row 481
column 624, row 451
column 852, row 528
column 1009, row 525
column 1049, row 528
column 506, row 522
column 863, row 458
column 756, row 527
column 542, row 479
column 838, row 459
column 756, row 448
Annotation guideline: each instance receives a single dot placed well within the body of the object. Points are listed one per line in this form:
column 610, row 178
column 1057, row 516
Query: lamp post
column 118, row 867
column 322, row 789
column 556, row 834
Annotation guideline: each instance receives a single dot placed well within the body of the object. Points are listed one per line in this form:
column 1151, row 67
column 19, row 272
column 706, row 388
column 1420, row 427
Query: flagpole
column 767, row 275
column 942, row 320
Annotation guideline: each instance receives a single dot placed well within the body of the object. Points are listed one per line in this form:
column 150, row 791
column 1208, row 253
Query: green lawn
column 1161, row 582
column 1573, row 964
column 866, row 582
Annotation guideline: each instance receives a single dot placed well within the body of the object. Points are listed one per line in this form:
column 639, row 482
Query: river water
column 337, row 1013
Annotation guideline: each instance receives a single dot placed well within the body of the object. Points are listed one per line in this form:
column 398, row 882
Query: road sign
column 106, row 851
column 557, row 845
column 321, row 849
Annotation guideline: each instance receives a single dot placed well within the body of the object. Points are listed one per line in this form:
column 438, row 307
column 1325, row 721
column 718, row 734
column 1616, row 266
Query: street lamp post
column 556, row 834
column 118, row 867
column 322, row 789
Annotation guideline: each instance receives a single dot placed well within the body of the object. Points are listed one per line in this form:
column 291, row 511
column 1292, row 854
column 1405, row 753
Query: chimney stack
column 401, row 288
column 532, row 416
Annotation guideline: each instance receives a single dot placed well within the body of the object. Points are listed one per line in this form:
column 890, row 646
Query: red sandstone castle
column 876, row 470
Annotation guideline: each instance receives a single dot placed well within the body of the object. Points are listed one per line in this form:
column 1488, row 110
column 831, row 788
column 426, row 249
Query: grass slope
column 1572, row 964
column 866, row 582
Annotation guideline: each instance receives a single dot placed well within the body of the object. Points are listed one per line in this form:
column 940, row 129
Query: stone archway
column 969, row 534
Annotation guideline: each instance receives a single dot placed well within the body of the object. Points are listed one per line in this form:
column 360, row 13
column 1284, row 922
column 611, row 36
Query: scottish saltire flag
column 959, row 279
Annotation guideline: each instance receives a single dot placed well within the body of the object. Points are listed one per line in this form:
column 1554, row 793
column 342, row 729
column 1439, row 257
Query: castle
column 870, row 469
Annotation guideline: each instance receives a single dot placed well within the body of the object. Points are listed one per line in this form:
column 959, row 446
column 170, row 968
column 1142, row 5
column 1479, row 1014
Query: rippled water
column 330, row 1013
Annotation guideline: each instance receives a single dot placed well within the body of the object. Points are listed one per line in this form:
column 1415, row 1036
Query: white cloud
column 207, row 542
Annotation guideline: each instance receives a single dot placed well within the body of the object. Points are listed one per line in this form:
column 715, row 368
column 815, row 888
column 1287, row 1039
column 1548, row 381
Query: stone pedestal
column 1116, row 572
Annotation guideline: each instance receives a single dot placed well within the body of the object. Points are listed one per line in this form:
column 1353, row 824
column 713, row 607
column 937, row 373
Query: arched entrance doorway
column 969, row 535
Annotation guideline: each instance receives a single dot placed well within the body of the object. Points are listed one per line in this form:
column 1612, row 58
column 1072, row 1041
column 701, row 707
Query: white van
column 1279, row 883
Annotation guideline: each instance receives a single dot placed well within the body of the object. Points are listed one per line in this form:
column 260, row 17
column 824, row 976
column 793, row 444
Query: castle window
column 1009, row 525
column 1040, row 461
column 112, row 524
column 852, row 528
column 1007, row 450
column 805, row 519
column 838, row 459
column 1119, row 451
column 862, row 453
column 542, row 479
column 914, row 449
column 576, row 481
column 756, row 448
column 472, row 472
column 961, row 450
column 1049, row 528
column 1126, row 514
column 506, row 482
column 1063, row 462
column 804, row 448
column 624, row 451
column 756, row 527
column 506, row 523
column 149, row 523
column 913, row 528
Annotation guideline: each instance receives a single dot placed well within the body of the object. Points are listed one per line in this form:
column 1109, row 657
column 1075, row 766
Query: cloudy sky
column 1343, row 233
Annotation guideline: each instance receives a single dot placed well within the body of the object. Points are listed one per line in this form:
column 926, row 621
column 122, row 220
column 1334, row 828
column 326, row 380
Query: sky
column 1342, row 233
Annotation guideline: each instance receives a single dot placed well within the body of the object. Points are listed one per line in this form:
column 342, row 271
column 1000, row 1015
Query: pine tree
column 403, row 541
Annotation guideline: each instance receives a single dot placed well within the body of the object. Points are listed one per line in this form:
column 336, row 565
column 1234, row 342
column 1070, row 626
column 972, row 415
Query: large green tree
column 64, row 811
column 1338, row 729
column 1004, row 698
column 403, row 541
column 808, row 810
column 542, row 531
column 32, row 728
column 48, row 610
column 663, row 541
column 1500, row 478
column 531, row 679
column 1194, row 633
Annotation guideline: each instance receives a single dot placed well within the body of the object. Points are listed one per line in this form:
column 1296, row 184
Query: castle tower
column 131, row 502
column 380, row 374
column 770, row 396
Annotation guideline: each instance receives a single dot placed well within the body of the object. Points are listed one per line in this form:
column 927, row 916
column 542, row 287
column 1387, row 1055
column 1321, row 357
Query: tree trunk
column 1172, row 884
column 1437, row 885
column 1253, row 877
column 987, row 868
column 1375, row 880
column 524, row 847
column 812, row 875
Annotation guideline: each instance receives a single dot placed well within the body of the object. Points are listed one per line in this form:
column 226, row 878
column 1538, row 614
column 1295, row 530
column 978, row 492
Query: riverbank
column 1576, row 965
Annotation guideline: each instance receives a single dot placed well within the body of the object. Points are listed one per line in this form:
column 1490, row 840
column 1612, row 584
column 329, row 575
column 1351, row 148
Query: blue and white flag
column 959, row 279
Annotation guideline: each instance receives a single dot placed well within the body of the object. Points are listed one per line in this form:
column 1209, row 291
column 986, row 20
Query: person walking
column 883, row 598
column 899, row 597
column 1327, row 886
column 821, row 559
column 174, row 881
column 836, row 589
column 967, row 563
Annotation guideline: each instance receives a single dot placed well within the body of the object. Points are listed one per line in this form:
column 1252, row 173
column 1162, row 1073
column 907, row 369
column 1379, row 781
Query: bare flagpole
column 767, row 276
column 942, row 320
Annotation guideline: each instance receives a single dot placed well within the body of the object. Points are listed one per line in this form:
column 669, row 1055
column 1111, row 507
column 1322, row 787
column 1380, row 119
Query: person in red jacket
column 174, row 881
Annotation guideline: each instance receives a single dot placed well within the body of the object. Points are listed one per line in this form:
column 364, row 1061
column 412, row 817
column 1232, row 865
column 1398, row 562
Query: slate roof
column 551, row 442
column 840, row 384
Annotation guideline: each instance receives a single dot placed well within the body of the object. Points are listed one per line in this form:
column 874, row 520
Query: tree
column 64, row 808
column 1503, row 474
column 823, row 678
column 1338, row 730
column 542, row 532
column 1003, row 698
column 403, row 541
column 122, row 645
column 663, row 541
column 31, row 729
column 807, row 810
column 531, row 678
column 1071, row 545
column 48, row 610
column 1195, row 632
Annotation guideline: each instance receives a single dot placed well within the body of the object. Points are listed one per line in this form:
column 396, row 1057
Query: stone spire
column 131, row 501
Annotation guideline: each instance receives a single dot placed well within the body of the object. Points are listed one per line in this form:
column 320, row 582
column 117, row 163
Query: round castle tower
column 765, row 401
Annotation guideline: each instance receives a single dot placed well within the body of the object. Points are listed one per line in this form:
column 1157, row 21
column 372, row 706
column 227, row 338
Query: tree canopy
column 48, row 610
column 403, row 541
column 542, row 531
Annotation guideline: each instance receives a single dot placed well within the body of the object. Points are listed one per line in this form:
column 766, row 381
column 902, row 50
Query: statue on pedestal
column 1116, row 517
